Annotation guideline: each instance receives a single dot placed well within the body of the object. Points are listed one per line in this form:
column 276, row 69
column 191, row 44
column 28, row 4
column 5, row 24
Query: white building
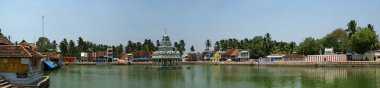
column 372, row 56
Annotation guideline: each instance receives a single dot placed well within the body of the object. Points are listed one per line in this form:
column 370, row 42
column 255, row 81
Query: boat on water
column 52, row 64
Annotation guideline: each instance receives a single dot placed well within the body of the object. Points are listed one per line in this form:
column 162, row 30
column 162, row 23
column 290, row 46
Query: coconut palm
column 208, row 44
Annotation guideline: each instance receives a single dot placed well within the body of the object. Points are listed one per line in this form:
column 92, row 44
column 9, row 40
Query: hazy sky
column 115, row 22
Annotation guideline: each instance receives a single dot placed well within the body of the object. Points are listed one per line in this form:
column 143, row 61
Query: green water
column 214, row 76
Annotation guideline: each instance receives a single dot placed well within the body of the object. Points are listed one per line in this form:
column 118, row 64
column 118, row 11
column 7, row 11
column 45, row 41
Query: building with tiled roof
column 19, row 64
column 25, row 44
column 239, row 55
column 4, row 41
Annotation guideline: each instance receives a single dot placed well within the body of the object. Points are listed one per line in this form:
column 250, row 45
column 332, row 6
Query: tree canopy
column 364, row 40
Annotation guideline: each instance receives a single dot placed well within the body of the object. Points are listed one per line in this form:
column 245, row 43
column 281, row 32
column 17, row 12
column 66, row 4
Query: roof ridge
column 26, row 51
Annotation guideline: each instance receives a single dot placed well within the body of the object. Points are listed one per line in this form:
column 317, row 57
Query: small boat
column 52, row 63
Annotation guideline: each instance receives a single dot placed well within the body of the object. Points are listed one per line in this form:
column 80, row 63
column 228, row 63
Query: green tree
column 217, row 46
column 268, row 44
column 310, row 46
column 54, row 46
column 363, row 40
column 351, row 28
column 130, row 47
column 176, row 46
column 370, row 26
column 63, row 47
column 43, row 44
column 138, row 46
column 192, row 48
column 208, row 44
column 337, row 39
column 120, row 49
column 292, row 47
column 257, row 47
column 81, row 45
column 157, row 44
column 182, row 46
column 72, row 49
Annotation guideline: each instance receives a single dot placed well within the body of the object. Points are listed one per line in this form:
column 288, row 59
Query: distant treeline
column 353, row 39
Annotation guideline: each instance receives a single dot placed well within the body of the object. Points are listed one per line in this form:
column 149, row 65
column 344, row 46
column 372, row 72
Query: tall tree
column 268, row 45
column 72, row 49
column 81, row 44
column 208, row 44
column 292, row 47
column 157, row 44
column 338, row 39
column 363, row 40
column 370, row 26
column 257, row 47
column 310, row 46
column 138, row 46
column 120, row 49
column 217, row 46
column 176, row 46
column 182, row 46
column 54, row 46
column 192, row 48
column 351, row 28
column 43, row 44
column 63, row 47
column 130, row 47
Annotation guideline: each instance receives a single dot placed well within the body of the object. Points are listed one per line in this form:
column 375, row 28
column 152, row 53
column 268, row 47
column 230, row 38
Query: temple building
column 20, row 65
column 166, row 56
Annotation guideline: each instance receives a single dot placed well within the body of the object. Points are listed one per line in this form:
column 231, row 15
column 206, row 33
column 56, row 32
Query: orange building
column 68, row 59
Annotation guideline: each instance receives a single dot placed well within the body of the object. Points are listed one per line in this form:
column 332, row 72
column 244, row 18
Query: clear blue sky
column 115, row 22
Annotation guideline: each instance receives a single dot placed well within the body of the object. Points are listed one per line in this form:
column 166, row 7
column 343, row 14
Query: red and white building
column 326, row 58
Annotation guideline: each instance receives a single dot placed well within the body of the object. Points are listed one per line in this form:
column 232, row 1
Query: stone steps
column 4, row 84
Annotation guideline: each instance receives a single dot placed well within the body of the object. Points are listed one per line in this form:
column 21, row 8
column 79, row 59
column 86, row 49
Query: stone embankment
column 294, row 63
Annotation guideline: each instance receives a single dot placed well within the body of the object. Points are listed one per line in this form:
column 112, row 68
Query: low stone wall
column 279, row 63
column 142, row 63
column 321, row 64
column 81, row 63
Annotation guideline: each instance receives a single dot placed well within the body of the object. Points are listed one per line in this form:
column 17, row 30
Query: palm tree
column 192, row 48
column 292, row 47
column 208, row 44
column 267, row 43
column 351, row 28
column 55, row 45
column 370, row 26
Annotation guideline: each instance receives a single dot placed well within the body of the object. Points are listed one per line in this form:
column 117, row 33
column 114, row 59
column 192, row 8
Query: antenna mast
column 43, row 30
column 166, row 31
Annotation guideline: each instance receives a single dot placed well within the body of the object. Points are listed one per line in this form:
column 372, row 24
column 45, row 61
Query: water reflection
column 215, row 76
